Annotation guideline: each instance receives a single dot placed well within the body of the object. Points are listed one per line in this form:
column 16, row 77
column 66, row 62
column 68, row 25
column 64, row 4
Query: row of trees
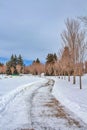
column 36, row 68
column 74, row 38
column 71, row 58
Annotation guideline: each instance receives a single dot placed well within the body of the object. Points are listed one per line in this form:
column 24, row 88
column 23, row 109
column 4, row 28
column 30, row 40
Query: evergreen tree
column 33, row 62
column 13, row 60
column 20, row 63
column 20, row 60
column 1, row 64
column 8, row 71
column 51, row 58
column 12, row 64
column 37, row 60
column 55, row 57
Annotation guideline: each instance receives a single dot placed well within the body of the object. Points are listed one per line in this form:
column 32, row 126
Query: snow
column 71, row 96
column 47, row 113
column 19, row 93
column 8, row 83
column 14, row 106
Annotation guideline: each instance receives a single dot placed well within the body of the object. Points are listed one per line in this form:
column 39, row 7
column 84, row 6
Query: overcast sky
column 32, row 28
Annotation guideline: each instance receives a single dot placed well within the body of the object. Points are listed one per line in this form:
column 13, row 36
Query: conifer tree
column 20, row 60
column 12, row 64
column 37, row 60
column 51, row 58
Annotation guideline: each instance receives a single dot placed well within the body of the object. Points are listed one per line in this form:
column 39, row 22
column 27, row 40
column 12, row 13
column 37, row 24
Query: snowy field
column 19, row 93
column 9, row 83
column 71, row 96
column 11, row 86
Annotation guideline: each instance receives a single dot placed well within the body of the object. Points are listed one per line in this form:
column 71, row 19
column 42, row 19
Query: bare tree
column 60, row 63
column 84, row 20
column 36, row 68
column 81, row 53
column 66, row 62
column 74, row 38
column 85, row 67
column 69, row 37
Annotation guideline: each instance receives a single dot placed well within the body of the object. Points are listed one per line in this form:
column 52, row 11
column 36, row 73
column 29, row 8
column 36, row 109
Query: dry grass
column 61, row 113
column 73, row 121
column 52, row 103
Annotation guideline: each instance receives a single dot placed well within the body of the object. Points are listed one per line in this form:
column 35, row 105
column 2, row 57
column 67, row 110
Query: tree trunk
column 68, row 77
column 80, row 81
column 74, row 79
column 62, row 75
column 59, row 75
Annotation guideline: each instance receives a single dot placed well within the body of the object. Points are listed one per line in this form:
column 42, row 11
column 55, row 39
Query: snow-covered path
column 48, row 114
column 33, row 107
column 15, row 106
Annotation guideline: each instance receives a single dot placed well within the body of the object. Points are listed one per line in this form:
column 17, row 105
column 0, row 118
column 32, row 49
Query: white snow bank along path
column 8, row 83
column 17, row 106
column 5, row 99
column 72, row 97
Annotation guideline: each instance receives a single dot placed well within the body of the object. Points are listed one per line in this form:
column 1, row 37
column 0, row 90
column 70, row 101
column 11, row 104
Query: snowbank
column 71, row 96
column 9, row 83
column 13, row 86
column 15, row 105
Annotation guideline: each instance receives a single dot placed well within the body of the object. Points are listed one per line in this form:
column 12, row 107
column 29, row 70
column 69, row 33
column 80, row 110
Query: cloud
column 32, row 28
